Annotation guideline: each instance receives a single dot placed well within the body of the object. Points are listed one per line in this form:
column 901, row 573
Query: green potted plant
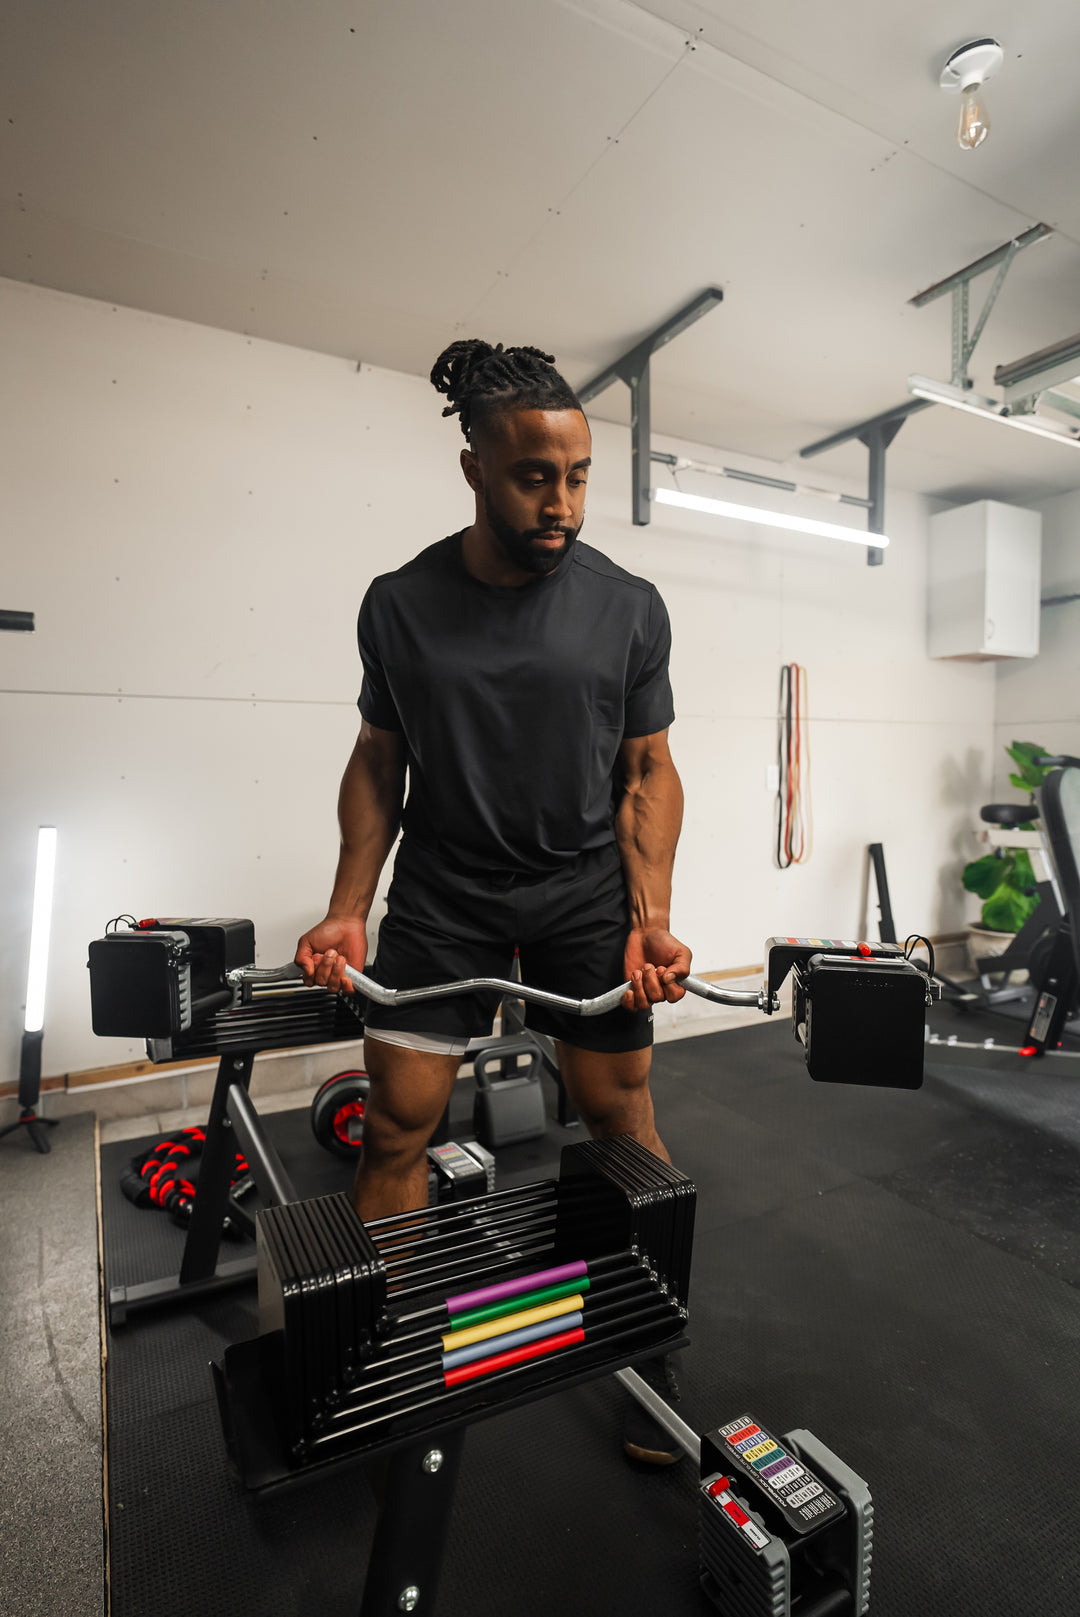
column 1004, row 879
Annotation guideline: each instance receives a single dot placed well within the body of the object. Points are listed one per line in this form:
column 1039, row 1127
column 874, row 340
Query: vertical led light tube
column 40, row 928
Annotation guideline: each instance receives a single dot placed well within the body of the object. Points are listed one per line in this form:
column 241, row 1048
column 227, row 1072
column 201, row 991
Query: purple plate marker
column 513, row 1288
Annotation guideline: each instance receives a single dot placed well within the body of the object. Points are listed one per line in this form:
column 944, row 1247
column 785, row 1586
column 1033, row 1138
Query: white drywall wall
column 193, row 515
column 1040, row 700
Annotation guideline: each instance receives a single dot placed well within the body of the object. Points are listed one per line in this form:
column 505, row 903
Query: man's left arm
column 647, row 825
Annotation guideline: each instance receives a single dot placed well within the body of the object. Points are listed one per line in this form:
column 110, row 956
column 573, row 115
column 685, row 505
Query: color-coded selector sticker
column 801, row 1495
column 774, row 1455
column 741, row 1433
column 757, row 1449
column 786, row 1476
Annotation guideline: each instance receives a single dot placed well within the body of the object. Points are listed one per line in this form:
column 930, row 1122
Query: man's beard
column 516, row 543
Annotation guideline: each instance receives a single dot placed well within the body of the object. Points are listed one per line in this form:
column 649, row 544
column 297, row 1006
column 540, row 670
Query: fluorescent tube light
column 40, row 928
column 924, row 387
column 768, row 519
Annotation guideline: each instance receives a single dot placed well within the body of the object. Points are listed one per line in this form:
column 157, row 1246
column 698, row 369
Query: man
column 520, row 679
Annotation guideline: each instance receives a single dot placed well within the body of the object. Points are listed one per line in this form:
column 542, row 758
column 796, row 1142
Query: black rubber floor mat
column 832, row 1290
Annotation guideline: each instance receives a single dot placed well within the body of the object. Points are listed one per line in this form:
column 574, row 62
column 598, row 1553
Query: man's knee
column 388, row 1138
column 409, row 1093
column 610, row 1090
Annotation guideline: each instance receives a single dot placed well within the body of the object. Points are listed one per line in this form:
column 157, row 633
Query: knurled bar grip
column 500, row 985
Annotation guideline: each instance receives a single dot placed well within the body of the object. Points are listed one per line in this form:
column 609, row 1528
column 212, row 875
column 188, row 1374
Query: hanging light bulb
column 967, row 70
column 974, row 118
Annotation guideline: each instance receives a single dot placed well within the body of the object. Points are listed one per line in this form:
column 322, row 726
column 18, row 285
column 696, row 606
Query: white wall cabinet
column 984, row 577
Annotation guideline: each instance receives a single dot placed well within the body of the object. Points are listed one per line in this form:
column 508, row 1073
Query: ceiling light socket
column 972, row 64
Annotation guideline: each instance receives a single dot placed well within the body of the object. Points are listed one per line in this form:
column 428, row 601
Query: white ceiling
column 373, row 181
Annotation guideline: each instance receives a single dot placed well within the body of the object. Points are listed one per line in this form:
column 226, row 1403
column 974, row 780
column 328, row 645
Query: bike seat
column 1009, row 815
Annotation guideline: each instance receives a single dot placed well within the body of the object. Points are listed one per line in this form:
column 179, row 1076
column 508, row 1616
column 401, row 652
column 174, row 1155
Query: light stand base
column 29, row 1092
column 35, row 1126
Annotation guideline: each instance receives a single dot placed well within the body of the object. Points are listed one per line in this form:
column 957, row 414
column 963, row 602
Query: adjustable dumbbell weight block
column 458, row 1171
column 784, row 1525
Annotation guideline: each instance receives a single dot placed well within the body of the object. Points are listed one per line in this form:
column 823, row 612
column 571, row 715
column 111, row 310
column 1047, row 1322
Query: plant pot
column 982, row 941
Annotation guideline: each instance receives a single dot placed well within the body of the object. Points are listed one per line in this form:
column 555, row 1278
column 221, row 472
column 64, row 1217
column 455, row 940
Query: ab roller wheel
column 337, row 1113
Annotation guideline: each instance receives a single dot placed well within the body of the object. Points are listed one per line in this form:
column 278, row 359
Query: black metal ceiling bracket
column 633, row 369
column 877, row 434
column 879, row 431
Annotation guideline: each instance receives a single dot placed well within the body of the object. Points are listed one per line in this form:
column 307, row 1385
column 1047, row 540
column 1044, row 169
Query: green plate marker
column 514, row 1305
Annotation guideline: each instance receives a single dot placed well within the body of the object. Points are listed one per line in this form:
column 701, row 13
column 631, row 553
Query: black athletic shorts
column 570, row 928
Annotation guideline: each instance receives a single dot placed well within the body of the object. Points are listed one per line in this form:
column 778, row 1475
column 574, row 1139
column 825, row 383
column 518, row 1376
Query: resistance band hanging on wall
column 795, row 821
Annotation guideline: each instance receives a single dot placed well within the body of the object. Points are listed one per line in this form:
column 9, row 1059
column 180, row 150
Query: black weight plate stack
column 360, row 1343
column 322, row 1286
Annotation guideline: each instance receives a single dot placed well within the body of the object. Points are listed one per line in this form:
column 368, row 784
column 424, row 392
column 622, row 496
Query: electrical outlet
column 772, row 777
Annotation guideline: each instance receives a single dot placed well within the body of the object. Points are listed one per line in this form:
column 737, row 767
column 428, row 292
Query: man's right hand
column 323, row 953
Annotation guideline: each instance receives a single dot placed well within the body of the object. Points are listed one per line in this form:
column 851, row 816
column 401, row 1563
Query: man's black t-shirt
column 513, row 701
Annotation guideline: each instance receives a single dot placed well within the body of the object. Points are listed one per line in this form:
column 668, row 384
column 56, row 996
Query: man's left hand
column 653, row 962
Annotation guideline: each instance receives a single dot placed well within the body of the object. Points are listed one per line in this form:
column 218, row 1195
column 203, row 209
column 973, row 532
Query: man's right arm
column 369, row 813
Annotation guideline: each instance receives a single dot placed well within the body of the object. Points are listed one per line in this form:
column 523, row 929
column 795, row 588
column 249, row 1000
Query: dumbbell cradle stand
column 233, row 1124
column 293, row 1018
column 413, row 1480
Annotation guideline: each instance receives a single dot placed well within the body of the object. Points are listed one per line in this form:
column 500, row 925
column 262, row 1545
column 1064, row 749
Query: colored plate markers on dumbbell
column 515, row 1288
column 511, row 1305
column 493, row 1329
column 513, row 1321
column 519, row 1355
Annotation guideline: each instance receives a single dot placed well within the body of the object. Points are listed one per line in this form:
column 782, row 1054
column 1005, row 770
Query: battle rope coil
column 160, row 1177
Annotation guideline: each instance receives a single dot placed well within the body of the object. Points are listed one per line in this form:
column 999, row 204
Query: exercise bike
column 1046, row 945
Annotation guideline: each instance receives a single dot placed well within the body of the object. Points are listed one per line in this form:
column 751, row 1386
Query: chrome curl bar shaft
column 759, row 1001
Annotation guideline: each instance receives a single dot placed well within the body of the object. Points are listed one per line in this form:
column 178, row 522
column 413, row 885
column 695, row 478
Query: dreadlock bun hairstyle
column 481, row 381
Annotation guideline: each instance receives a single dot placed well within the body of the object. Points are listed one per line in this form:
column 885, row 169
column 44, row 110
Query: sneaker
column 643, row 1438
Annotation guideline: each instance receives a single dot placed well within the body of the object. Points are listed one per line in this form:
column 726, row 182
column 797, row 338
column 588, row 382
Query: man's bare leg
column 611, row 1093
column 409, row 1093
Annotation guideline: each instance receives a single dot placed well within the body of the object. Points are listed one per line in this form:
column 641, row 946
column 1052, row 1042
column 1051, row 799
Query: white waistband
column 440, row 1044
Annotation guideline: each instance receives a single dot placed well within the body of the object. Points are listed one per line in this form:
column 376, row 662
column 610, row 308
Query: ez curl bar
column 856, row 1007
column 608, row 1001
